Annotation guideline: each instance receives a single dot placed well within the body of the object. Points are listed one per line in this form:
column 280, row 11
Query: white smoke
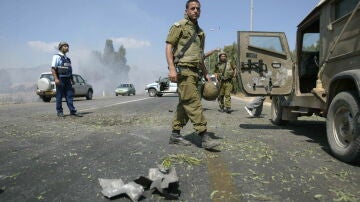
column 43, row 46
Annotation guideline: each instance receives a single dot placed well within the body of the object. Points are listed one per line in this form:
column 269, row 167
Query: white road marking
column 120, row 103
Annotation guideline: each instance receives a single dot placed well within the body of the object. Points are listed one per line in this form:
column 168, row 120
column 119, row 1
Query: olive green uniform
column 189, row 106
column 226, row 83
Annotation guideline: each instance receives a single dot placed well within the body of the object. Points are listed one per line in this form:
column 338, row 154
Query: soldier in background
column 225, row 71
column 184, row 70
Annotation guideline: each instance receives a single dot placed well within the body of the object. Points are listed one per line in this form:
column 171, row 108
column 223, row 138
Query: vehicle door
column 265, row 65
column 79, row 85
column 164, row 84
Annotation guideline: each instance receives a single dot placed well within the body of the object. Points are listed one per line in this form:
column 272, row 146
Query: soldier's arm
column 171, row 42
column 170, row 61
column 235, row 71
column 207, row 54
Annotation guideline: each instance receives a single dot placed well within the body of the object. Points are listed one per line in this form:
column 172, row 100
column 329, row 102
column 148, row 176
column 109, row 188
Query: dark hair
column 189, row 1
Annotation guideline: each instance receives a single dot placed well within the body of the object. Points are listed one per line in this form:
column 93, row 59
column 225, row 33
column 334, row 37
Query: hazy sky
column 30, row 29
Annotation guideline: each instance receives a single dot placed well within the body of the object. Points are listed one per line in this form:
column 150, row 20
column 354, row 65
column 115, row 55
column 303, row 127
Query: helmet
column 210, row 91
column 62, row 44
column 222, row 53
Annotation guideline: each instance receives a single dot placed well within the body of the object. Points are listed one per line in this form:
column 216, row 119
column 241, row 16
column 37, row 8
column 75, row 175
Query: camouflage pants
column 189, row 106
column 224, row 98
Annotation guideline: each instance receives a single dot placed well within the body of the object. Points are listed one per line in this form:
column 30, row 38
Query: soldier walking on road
column 225, row 71
column 184, row 55
column 62, row 71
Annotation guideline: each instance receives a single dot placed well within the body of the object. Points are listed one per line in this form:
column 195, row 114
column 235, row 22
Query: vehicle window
column 48, row 76
column 311, row 42
column 165, row 80
column 75, row 77
column 344, row 7
column 80, row 79
column 271, row 43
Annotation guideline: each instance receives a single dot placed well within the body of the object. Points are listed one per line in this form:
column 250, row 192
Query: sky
column 31, row 30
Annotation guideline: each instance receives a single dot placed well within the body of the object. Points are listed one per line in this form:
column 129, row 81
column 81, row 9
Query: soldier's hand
column 172, row 75
column 207, row 77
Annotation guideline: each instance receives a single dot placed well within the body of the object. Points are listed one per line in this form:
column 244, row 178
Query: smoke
column 105, row 71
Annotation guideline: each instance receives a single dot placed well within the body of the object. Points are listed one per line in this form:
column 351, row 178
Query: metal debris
column 2, row 177
column 161, row 179
column 114, row 187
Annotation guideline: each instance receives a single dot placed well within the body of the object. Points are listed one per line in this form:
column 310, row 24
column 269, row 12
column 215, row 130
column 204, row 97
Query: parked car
column 161, row 86
column 46, row 87
column 125, row 89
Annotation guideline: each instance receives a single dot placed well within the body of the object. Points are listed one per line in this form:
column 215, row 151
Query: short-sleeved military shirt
column 179, row 34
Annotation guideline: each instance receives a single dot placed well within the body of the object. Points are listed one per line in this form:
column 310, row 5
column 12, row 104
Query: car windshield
column 48, row 76
column 124, row 86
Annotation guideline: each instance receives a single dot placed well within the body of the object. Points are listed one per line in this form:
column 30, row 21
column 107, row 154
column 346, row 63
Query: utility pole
column 251, row 14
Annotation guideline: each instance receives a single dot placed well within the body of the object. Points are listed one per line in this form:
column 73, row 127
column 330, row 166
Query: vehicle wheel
column 46, row 99
column 134, row 93
column 89, row 95
column 116, row 94
column 342, row 127
column 152, row 92
column 277, row 110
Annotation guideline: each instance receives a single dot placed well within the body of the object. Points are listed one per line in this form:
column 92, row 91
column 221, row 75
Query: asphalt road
column 44, row 158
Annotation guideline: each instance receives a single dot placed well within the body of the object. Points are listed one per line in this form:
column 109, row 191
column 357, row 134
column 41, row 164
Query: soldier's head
column 192, row 9
column 222, row 57
column 63, row 47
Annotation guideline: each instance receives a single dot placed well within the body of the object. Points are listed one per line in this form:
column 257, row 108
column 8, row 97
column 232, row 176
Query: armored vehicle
column 324, row 79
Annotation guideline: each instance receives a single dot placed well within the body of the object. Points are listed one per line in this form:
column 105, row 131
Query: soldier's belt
column 193, row 69
column 226, row 80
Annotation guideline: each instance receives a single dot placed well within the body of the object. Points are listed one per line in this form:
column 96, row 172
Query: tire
column 46, row 99
column 89, row 95
column 342, row 127
column 116, row 94
column 277, row 110
column 152, row 92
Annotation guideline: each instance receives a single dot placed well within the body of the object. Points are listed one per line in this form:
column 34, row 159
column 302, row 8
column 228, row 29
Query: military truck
column 323, row 80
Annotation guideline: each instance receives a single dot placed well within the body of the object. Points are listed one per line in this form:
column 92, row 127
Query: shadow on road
column 314, row 130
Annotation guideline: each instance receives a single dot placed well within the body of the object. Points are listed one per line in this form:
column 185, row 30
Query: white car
column 163, row 85
column 46, row 87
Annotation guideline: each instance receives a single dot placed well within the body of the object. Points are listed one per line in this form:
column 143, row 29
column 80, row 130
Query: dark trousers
column 64, row 89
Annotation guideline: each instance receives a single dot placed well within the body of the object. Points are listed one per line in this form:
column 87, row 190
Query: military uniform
column 189, row 106
column 226, row 86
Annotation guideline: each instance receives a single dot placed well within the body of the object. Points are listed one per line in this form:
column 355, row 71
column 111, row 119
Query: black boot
column 228, row 110
column 176, row 138
column 207, row 142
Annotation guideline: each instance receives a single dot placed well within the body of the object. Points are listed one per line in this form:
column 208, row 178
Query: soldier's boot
column 207, row 142
column 228, row 110
column 221, row 109
column 176, row 138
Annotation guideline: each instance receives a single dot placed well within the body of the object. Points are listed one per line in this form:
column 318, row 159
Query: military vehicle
column 323, row 80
